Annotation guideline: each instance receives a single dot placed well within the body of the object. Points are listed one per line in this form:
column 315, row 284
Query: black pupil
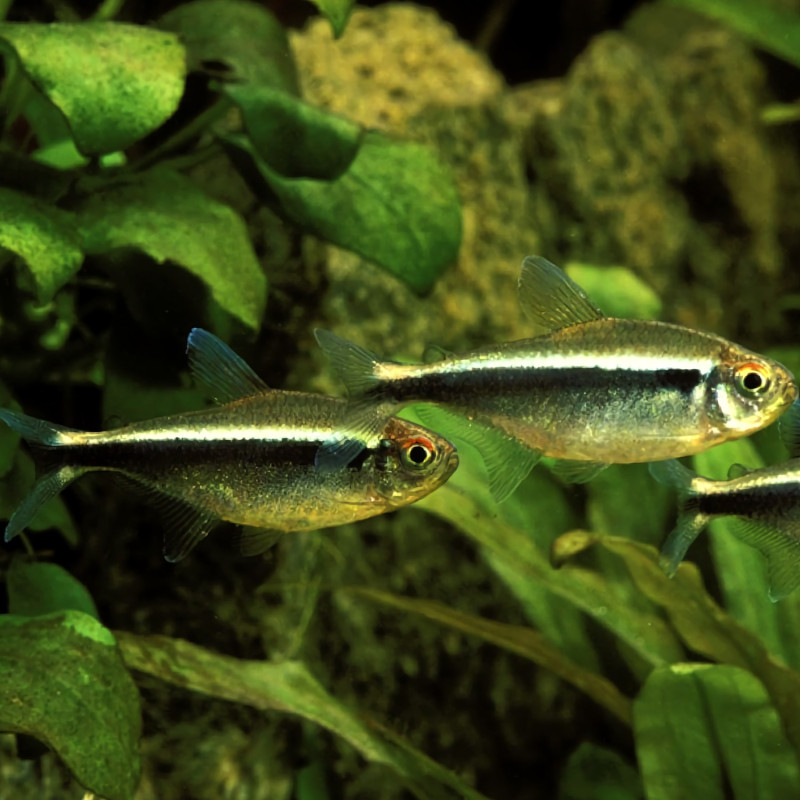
column 753, row 381
column 417, row 454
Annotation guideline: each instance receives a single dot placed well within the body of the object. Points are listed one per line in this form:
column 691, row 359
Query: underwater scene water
column 399, row 401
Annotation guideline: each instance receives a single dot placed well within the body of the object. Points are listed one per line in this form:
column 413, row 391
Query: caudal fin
column 46, row 440
column 690, row 520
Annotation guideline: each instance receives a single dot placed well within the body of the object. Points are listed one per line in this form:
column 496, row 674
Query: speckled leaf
column 65, row 684
column 293, row 138
column 44, row 237
column 768, row 26
column 337, row 13
column 702, row 728
column 396, row 205
column 235, row 40
column 114, row 83
column 289, row 688
column 167, row 217
column 37, row 588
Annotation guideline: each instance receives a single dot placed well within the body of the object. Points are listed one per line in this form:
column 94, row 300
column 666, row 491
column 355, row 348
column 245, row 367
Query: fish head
column 410, row 462
column 749, row 392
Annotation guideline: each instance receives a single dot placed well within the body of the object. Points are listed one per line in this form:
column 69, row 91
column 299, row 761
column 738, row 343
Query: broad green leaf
column 16, row 485
column 525, row 642
column 235, row 40
column 167, row 217
column 114, row 83
column 396, row 205
column 702, row 728
column 618, row 291
column 289, row 688
column 44, row 237
column 702, row 624
column 769, row 27
column 65, row 684
column 293, row 138
column 36, row 588
column 596, row 773
column 337, row 13
column 741, row 569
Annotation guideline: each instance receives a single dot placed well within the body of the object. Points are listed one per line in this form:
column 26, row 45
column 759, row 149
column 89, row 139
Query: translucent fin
column 577, row 471
column 45, row 488
column 551, row 299
column 363, row 423
column 789, row 427
column 507, row 460
column 690, row 521
column 185, row 526
column 779, row 542
column 435, row 353
column 215, row 367
column 354, row 365
column 737, row 471
column 254, row 541
column 36, row 431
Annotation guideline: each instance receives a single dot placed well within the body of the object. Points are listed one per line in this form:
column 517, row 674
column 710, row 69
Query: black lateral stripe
column 515, row 379
column 191, row 452
column 767, row 499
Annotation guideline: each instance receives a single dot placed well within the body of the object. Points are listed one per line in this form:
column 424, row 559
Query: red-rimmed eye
column 418, row 452
column 752, row 378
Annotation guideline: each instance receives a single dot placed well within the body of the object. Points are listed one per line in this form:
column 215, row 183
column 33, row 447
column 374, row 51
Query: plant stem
column 108, row 9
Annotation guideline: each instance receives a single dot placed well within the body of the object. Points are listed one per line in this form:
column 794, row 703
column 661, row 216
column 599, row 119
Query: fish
column 248, row 460
column 586, row 389
column 765, row 503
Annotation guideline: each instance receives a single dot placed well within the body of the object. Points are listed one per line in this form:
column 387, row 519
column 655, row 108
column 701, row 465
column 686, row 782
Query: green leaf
column 293, row 138
column 523, row 641
column 701, row 729
column 239, row 41
column 337, row 13
column 396, row 205
column 114, row 83
column 167, row 217
column 771, row 28
column 65, row 683
column 618, row 291
column 596, row 773
column 15, row 486
column 289, row 688
column 36, row 588
column 701, row 623
column 44, row 237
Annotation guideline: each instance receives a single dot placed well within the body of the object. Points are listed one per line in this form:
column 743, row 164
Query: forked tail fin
column 46, row 441
column 690, row 519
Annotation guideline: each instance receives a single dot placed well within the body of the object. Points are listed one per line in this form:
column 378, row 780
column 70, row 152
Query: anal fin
column 779, row 542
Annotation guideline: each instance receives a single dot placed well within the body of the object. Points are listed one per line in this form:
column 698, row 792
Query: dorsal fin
column 551, row 299
column 433, row 353
column 737, row 471
column 216, row 368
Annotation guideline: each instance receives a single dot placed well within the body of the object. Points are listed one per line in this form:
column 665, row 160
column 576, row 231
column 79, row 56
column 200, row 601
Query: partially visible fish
column 248, row 461
column 765, row 502
column 589, row 390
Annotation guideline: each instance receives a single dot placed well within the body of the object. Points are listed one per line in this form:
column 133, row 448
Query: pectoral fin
column 779, row 542
column 507, row 460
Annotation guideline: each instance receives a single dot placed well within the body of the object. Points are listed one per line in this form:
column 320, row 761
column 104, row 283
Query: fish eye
column 752, row 378
column 417, row 453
